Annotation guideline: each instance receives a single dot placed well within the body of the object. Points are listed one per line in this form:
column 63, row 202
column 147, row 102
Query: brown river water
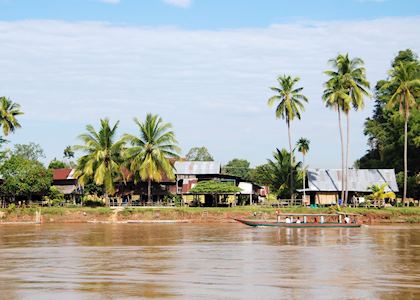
column 215, row 261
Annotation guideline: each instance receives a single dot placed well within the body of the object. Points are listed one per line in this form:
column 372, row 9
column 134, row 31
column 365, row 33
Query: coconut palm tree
column 405, row 80
column 335, row 97
column 303, row 147
column 379, row 194
column 148, row 158
column 290, row 105
column 278, row 172
column 9, row 110
column 349, row 75
column 102, row 160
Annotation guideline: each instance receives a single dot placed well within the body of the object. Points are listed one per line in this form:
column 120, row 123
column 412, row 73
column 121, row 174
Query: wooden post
column 250, row 199
column 38, row 216
column 304, row 219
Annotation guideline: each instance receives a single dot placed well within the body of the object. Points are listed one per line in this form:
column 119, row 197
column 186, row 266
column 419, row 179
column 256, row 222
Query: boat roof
column 315, row 214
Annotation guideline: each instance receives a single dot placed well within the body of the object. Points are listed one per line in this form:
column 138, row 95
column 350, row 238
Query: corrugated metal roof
column 197, row 167
column 359, row 179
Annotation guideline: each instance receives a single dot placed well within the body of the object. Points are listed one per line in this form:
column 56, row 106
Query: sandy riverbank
column 195, row 214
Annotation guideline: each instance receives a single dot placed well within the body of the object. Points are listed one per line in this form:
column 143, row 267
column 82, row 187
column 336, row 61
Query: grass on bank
column 213, row 210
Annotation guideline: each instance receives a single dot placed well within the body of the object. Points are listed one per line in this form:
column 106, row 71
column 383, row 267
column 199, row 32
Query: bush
column 11, row 208
column 92, row 201
column 177, row 201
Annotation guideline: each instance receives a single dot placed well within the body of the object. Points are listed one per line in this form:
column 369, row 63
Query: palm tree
column 335, row 97
column 103, row 156
column 8, row 112
column 303, row 147
column 68, row 152
column 379, row 194
column 148, row 158
column 291, row 104
column 406, row 82
column 350, row 76
column 278, row 172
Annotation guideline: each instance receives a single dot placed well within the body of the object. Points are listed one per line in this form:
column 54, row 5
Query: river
column 229, row 261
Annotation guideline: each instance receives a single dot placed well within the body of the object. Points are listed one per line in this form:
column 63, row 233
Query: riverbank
column 195, row 214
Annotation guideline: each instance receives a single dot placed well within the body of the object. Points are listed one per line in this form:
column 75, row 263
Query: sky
column 203, row 65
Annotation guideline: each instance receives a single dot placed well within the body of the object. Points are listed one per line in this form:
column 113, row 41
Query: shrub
column 11, row 208
column 92, row 201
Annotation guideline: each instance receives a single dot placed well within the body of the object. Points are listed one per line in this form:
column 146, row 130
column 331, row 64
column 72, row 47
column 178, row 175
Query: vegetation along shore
column 195, row 214
column 145, row 168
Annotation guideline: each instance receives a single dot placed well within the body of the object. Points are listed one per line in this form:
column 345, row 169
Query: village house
column 131, row 192
column 189, row 173
column 324, row 185
column 65, row 181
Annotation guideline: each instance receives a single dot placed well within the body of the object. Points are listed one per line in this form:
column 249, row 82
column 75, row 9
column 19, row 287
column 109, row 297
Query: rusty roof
column 63, row 174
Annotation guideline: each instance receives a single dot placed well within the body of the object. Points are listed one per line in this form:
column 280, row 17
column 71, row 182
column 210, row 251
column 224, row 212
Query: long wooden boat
column 297, row 225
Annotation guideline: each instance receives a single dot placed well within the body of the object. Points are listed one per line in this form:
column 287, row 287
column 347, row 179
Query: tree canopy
column 214, row 187
column 276, row 173
column 385, row 131
column 57, row 164
column 148, row 158
column 31, row 151
column 199, row 154
column 237, row 167
column 68, row 152
column 8, row 113
column 102, row 157
column 24, row 177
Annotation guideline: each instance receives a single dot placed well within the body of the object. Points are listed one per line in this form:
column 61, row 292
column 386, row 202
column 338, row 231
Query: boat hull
column 297, row 225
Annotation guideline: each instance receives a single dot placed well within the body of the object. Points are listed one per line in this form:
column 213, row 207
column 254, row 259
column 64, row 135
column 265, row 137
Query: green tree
column 68, row 152
column 348, row 77
column 29, row 151
column 237, row 167
column 148, row 158
column 102, row 157
column 335, row 97
column 214, row 187
column 379, row 194
column 278, row 173
column 405, row 81
column 385, row 132
column 24, row 177
column 9, row 110
column 199, row 154
column 290, row 105
column 57, row 164
column 260, row 175
column 303, row 147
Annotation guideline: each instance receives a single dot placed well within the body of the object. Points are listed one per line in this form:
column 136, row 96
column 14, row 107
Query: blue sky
column 205, row 14
column 204, row 65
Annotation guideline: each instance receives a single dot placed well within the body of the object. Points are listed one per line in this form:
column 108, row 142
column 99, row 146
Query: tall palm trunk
column 304, row 183
column 291, row 159
column 346, row 178
column 342, row 153
column 149, row 191
column 405, row 159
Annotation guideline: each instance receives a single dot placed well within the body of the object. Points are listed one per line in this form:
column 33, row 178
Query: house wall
column 324, row 198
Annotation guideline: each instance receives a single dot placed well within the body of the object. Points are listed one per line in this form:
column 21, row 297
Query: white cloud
column 212, row 85
column 179, row 3
column 110, row 1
